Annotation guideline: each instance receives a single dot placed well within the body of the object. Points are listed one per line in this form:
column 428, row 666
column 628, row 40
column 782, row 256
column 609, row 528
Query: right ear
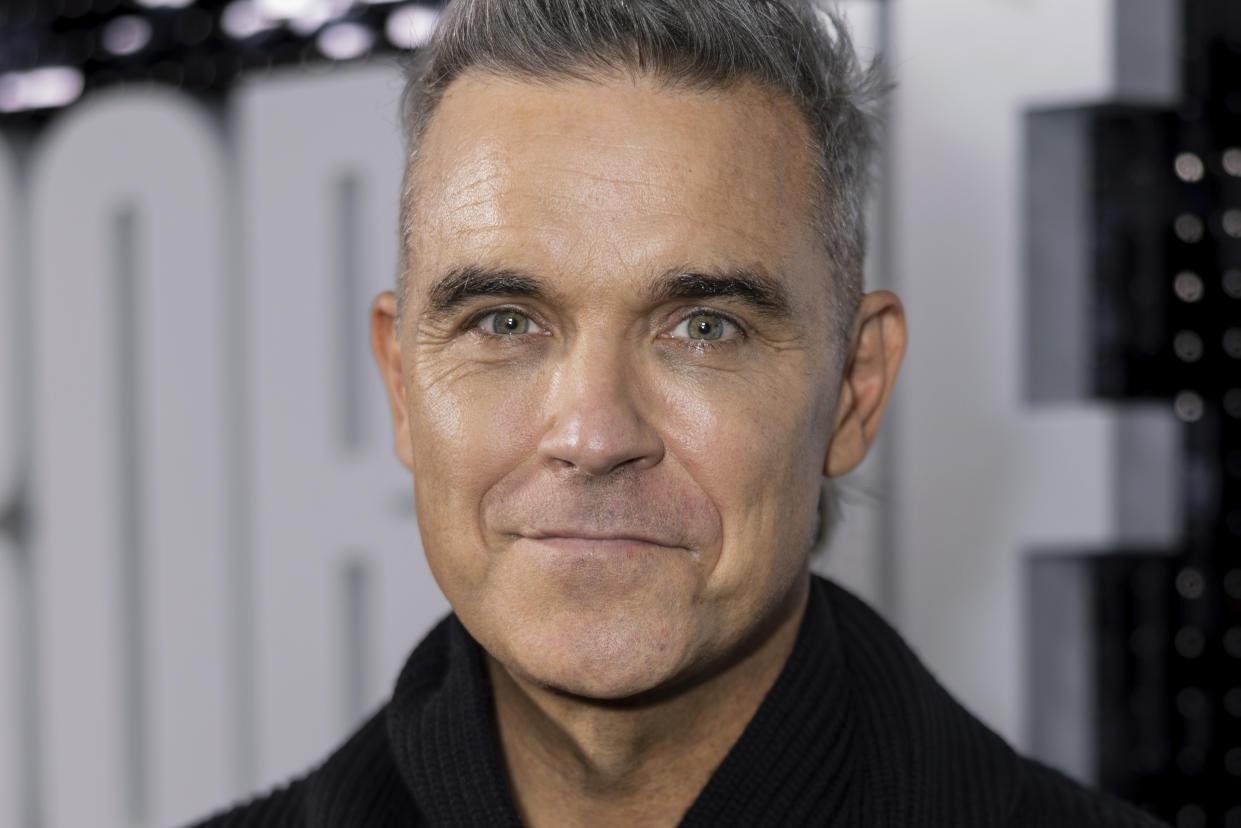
column 386, row 343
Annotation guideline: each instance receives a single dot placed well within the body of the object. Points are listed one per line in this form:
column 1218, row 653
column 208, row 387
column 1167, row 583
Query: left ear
column 386, row 343
column 879, row 338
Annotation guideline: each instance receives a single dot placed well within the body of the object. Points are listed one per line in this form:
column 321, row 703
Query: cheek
column 751, row 444
column 468, row 429
column 466, row 419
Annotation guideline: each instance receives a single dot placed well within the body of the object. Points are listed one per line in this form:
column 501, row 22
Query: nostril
column 597, row 414
column 598, row 442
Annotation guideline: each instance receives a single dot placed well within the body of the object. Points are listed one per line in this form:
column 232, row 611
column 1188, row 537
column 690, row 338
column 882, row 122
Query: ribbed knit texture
column 855, row 732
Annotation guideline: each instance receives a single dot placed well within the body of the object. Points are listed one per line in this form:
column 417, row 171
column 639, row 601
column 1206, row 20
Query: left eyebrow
column 751, row 287
column 462, row 284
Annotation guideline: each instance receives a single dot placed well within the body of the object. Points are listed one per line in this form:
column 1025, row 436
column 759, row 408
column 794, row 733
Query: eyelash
column 472, row 326
column 710, row 344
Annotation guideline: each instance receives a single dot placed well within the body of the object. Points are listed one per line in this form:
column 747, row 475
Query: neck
column 572, row 760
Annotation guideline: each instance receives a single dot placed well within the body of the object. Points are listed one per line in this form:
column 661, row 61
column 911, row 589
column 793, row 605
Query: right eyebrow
column 750, row 286
column 461, row 284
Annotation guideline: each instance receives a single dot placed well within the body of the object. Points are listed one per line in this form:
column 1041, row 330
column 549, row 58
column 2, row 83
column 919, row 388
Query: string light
column 1188, row 406
column 305, row 17
column 1188, row 228
column 48, row 87
column 1189, row 167
column 1231, row 282
column 1232, row 161
column 1187, row 346
column 126, row 35
column 1232, row 403
column 1232, row 342
column 1188, row 286
column 1190, row 583
column 242, row 19
column 1231, row 223
column 410, row 26
column 345, row 41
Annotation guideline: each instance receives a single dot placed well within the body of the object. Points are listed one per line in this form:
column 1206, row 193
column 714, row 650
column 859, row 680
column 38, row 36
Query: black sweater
column 855, row 732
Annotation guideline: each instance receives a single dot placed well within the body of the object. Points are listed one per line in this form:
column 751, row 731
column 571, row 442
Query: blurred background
column 209, row 563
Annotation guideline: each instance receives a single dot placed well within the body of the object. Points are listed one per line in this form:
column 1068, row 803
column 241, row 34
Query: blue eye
column 508, row 323
column 703, row 327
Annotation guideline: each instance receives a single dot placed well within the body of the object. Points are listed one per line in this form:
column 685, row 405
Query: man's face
column 618, row 372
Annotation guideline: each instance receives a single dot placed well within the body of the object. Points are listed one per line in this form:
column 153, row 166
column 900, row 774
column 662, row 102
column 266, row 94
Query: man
column 629, row 344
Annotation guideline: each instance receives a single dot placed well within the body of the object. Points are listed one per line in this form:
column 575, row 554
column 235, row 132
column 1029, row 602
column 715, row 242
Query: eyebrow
column 749, row 286
column 461, row 284
column 752, row 287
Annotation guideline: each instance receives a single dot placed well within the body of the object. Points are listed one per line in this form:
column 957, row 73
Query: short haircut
column 790, row 47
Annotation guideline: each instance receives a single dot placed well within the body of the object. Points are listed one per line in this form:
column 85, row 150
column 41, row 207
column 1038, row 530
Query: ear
column 386, row 343
column 879, row 338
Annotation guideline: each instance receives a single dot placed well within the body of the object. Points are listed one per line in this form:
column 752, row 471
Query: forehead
column 620, row 172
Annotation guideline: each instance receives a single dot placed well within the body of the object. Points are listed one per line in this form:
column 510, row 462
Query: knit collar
column 793, row 764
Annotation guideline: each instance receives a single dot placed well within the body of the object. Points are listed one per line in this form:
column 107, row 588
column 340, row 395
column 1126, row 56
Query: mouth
column 575, row 541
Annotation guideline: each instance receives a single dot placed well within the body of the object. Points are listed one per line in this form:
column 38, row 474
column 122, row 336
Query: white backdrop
column 224, row 570
column 981, row 478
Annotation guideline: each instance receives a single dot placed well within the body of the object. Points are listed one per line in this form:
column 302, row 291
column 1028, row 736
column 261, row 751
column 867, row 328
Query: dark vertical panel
column 235, row 416
column 1145, row 60
column 350, row 314
column 129, row 487
column 1164, row 228
column 356, row 589
column 1062, row 723
column 15, row 520
column 1058, row 357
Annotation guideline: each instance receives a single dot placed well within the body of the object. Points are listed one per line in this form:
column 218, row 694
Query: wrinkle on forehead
column 499, row 148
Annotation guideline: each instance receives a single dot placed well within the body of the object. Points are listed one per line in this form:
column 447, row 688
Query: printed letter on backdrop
column 342, row 592
column 132, row 560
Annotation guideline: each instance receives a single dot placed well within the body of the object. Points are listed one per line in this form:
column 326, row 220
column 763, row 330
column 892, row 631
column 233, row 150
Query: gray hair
column 790, row 47
column 793, row 48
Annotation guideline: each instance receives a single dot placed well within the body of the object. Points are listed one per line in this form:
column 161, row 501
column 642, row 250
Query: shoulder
column 933, row 760
column 280, row 808
column 1046, row 798
column 359, row 780
column 360, row 783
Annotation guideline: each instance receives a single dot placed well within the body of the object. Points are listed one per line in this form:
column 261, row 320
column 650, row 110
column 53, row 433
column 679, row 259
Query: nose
column 596, row 423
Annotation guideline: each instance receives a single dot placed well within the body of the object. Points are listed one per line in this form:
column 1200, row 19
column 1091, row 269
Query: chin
column 591, row 625
column 595, row 659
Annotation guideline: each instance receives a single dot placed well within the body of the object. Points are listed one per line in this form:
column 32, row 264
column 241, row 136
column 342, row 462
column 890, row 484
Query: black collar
column 793, row 765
